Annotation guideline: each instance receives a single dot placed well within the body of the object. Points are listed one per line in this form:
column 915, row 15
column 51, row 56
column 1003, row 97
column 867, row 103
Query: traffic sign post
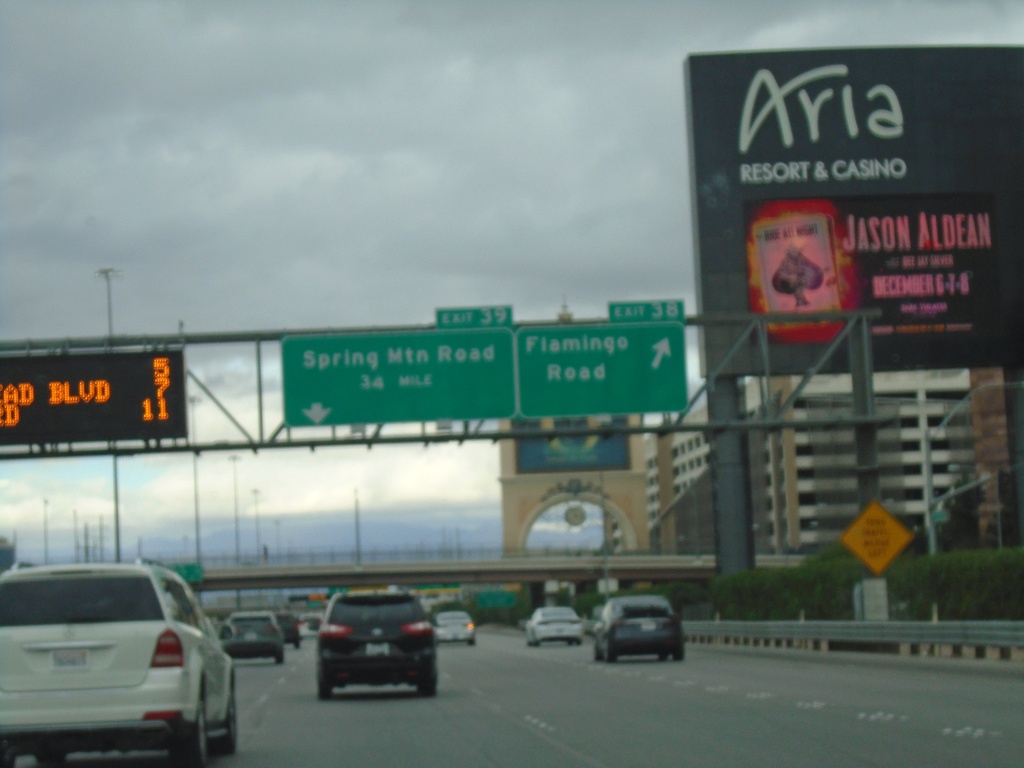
column 876, row 538
column 398, row 377
column 580, row 370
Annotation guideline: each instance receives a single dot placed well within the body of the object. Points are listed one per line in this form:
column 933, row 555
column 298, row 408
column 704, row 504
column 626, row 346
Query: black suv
column 289, row 623
column 636, row 625
column 380, row 638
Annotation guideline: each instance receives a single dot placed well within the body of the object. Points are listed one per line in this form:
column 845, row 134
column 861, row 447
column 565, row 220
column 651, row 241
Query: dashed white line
column 970, row 732
column 538, row 723
column 811, row 704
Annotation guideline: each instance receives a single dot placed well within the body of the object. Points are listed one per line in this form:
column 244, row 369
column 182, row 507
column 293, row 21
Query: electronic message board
column 862, row 178
column 92, row 397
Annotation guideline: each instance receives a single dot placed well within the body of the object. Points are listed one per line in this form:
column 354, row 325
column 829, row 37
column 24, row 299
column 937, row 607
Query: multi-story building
column 804, row 481
column 7, row 552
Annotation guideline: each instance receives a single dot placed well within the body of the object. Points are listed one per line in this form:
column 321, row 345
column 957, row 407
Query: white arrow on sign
column 662, row 349
column 316, row 413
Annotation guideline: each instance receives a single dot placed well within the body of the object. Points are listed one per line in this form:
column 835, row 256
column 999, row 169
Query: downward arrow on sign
column 316, row 413
column 661, row 349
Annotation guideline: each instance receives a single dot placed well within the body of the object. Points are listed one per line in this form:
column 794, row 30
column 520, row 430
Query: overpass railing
column 423, row 554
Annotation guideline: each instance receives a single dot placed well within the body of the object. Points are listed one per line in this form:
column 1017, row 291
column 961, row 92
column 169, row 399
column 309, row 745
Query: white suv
column 100, row 657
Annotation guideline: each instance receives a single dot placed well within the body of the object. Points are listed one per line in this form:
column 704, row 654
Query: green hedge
column 974, row 585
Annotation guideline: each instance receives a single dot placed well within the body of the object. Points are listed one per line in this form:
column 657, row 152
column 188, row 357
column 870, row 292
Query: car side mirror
column 226, row 632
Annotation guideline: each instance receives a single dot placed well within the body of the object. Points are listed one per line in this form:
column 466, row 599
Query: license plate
column 378, row 649
column 648, row 626
column 71, row 658
column 250, row 635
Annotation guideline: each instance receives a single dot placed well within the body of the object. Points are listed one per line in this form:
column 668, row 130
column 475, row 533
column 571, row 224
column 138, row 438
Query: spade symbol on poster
column 796, row 274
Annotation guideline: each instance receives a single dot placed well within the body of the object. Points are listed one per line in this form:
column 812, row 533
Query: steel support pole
column 866, row 433
column 1014, row 378
column 734, row 536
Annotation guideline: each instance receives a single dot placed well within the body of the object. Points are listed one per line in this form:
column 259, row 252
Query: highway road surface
column 505, row 705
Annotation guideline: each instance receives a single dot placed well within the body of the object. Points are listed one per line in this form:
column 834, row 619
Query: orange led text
column 12, row 398
column 66, row 393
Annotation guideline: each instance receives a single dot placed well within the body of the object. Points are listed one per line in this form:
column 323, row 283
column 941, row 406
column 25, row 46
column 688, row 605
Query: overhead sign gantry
column 480, row 366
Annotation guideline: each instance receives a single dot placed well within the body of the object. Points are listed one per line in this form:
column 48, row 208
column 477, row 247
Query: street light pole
column 932, row 502
column 193, row 401
column 256, row 514
column 359, row 556
column 46, row 532
column 238, row 535
column 106, row 273
column 604, row 539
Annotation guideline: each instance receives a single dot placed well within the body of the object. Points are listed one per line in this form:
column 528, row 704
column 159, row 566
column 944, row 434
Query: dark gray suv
column 380, row 638
column 638, row 625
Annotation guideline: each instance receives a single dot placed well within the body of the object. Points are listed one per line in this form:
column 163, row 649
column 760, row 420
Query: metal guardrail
column 978, row 639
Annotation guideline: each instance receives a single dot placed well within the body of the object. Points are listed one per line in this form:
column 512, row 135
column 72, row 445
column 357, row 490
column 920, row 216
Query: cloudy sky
column 291, row 165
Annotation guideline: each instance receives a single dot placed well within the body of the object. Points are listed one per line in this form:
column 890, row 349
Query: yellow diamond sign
column 876, row 537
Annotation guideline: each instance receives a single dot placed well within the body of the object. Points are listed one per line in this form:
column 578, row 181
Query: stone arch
column 617, row 515
column 622, row 489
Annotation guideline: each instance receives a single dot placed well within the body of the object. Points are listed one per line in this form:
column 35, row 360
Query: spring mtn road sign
column 876, row 538
column 397, row 377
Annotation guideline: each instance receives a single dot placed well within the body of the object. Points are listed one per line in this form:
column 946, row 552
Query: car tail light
column 169, row 651
column 335, row 630
column 170, row 714
column 470, row 625
column 419, row 628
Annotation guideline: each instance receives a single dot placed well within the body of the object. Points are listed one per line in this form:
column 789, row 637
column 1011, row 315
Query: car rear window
column 252, row 621
column 356, row 613
column 561, row 614
column 78, row 600
column 645, row 611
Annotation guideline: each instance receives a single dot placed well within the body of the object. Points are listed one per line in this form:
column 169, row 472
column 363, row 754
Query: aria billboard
column 886, row 179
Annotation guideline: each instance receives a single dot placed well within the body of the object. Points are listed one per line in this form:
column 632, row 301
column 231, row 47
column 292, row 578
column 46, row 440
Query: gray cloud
column 258, row 165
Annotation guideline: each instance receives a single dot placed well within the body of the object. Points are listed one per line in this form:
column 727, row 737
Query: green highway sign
column 940, row 515
column 496, row 598
column 645, row 311
column 190, row 572
column 620, row 368
column 375, row 378
column 474, row 317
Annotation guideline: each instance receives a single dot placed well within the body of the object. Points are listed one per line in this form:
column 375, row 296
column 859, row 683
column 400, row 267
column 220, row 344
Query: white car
column 309, row 623
column 454, row 627
column 554, row 623
column 102, row 657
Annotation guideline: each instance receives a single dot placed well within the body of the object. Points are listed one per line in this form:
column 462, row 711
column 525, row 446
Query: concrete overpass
column 576, row 569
